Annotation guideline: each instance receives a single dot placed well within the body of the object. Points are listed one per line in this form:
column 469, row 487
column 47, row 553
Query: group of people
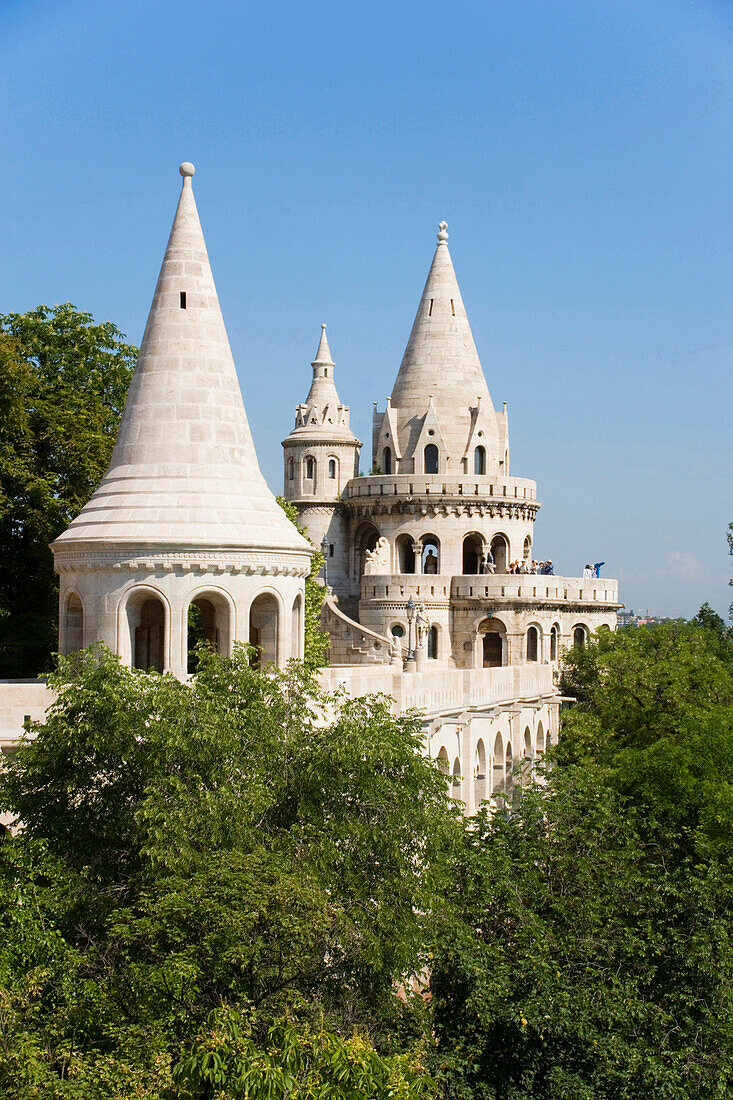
column 544, row 568
column 593, row 570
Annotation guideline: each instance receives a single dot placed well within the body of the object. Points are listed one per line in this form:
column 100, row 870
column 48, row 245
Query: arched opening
column 366, row 537
column 146, row 619
column 442, row 760
column 473, row 552
column 73, row 624
column 433, row 643
column 554, row 642
column 540, row 739
column 479, row 774
column 430, row 555
column 497, row 783
column 456, row 778
column 264, row 621
column 479, row 460
column 533, row 643
column 291, row 469
column 580, row 637
column 387, row 460
column 500, row 552
column 207, row 621
column 493, row 643
column 309, row 474
column 296, row 629
column 527, row 754
column 527, row 549
column 405, row 554
column 332, row 471
column 508, row 766
column 431, row 459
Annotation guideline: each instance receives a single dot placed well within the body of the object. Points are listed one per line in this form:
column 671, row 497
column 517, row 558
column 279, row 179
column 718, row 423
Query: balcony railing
column 501, row 489
column 501, row 586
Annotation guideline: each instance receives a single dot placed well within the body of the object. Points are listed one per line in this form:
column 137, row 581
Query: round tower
column 183, row 515
column 321, row 456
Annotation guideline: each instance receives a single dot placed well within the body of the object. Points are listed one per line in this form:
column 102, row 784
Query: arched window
column 493, row 643
column 264, row 622
column 73, row 624
column 554, row 642
column 579, row 637
column 442, row 760
column 405, row 554
column 332, row 468
column 508, row 777
column 498, row 776
column 310, row 467
column 473, row 553
column 527, row 552
column 500, row 553
column 431, row 459
column 456, row 778
column 296, row 629
column 540, row 739
column 387, row 460
column 479, row 773
column 208, row 621
column 533, row 643
column 430, row 555
column 479, row 460
column 146, row 616
column 366, row 537
column 291, row 469
column 433, row 643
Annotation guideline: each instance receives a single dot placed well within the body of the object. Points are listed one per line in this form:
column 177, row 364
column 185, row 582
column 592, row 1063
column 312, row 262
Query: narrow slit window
column 452, row 307
column 183, row 299
column 430, row 311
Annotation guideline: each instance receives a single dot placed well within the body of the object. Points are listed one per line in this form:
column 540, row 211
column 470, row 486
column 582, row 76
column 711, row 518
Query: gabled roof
column 184, row 470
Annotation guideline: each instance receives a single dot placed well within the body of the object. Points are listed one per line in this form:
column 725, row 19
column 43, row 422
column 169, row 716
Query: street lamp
column 324, row 551
column 411, row 610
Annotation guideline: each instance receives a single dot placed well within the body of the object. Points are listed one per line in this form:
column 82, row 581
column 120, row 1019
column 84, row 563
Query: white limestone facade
column 183, row 515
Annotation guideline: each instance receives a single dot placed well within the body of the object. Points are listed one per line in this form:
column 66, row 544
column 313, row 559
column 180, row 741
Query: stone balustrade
column 526, row 588
column 434, row 487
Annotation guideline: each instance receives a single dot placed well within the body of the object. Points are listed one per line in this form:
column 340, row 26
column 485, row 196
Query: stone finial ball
column 187, row 169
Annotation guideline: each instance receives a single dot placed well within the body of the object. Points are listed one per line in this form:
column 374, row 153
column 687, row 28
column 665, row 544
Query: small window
column 291, row 469
column 330, row 549
column 433, row 643
column 452, row 307
column 310, row 467
column 431, row 459
column 579, row 638
column 332, row 467
column 387, row 460
column 398, row 630
column 533, row 639
column 479, row 461
column 183, row 299
column 430, row 311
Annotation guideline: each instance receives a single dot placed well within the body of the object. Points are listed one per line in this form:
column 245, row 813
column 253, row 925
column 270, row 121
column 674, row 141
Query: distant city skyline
column 579, row 153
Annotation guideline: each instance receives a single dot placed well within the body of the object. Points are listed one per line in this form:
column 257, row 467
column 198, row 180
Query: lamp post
column 411, row 611
column 324, row 551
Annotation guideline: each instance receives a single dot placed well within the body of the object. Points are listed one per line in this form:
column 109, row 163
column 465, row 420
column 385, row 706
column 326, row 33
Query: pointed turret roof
column 441, row 363
column 184, row 470
column 440, row 357
column 322, row 414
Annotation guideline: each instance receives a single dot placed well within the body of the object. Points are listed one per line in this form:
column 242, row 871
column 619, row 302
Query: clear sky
column 580, row 151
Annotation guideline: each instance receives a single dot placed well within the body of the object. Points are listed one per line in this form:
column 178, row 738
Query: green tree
column 316, row 639
column 590, row 954
column 63, row 383
column 220, row 847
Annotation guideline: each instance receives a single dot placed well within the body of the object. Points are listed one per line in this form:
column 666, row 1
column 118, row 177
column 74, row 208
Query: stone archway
column 494, row 646
column 264, row 626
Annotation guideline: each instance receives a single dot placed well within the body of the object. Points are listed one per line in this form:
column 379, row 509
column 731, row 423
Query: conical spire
column 440, row 357
column 184, row 470
column 322, row 412
column 441, row 365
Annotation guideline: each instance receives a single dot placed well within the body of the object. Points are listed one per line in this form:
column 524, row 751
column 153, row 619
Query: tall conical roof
column 184, row 470
column 441, row 362
column 322, row 414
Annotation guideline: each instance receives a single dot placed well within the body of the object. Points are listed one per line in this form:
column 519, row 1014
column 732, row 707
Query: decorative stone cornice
column 492, row 509
column 205, row 562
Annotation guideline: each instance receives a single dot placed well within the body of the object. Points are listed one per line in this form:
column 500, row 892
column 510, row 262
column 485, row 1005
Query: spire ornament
column 442, row 232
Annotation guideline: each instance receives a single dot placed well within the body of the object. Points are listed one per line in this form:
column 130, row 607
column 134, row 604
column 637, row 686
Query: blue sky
column 580, row 151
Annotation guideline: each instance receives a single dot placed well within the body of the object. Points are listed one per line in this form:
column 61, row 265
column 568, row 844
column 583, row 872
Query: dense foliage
column 63, row 383
column 211, row 872
column 316, row 639
column 590, row 955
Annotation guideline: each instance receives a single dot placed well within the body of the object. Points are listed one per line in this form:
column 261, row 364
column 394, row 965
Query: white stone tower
column 183, row 514
column 321, row 456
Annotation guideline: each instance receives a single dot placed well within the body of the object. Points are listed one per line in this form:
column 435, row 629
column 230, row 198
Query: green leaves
column 63, row 383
